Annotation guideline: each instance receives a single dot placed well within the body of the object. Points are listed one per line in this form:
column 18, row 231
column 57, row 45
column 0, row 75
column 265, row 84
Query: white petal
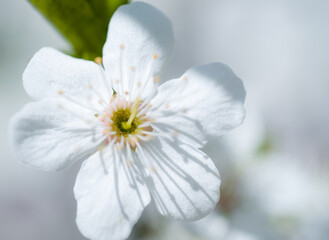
column 211, row 94
column 111, row 196
column 183, row 181
column 180, row 128
column 139, row 41
column 50, row 134
column 51, row 72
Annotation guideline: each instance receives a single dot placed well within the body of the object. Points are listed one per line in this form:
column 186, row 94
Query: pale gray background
column 279, row 48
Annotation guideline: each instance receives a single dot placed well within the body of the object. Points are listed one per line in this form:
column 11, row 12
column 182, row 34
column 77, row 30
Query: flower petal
column 180, row 128
column 51, row 73
column 211, row 94
column 111, row 196
column 183, row 181
column 139, row 41
column 51, row 134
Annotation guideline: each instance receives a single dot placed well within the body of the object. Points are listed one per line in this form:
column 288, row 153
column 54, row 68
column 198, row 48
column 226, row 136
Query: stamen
column 98, row 60
column 146, row 105
column 156, row 79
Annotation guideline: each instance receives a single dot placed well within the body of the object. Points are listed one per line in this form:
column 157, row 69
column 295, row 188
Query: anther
column 101, row 147
column 60, row 92
column 175, row 133
column 98, row 60
column 153, row 169
column 149, row 137
column 156, row 79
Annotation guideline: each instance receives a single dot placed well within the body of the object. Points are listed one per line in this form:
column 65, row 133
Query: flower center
column 126, row 122
column 127, row 125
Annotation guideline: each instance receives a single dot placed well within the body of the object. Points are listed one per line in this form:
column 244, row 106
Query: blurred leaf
column 82, row 22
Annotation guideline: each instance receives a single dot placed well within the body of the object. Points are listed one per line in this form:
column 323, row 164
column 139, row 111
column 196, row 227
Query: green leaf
column 82, row 22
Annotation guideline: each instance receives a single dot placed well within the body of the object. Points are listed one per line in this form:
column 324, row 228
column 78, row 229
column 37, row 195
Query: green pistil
column 128, row 125
column 121, row 116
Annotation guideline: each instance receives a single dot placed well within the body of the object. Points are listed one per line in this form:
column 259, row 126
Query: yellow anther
column 90, row 86
column 98, row 60
column 175, row 133
column 153, row 169
column 122, row 46
column 60, row 92
column 101, row 147
column 185, row 78
column 155, row 56
column 149, row 137
column 132, row 68
column 156, row 79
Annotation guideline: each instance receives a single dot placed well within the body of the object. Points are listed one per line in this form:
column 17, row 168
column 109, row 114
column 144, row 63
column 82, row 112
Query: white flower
column 139, row 141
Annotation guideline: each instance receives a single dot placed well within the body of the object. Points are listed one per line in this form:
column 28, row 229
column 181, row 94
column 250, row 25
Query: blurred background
column 274, row 168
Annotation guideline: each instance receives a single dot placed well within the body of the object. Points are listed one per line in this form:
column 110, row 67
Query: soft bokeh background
column 274, row 167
